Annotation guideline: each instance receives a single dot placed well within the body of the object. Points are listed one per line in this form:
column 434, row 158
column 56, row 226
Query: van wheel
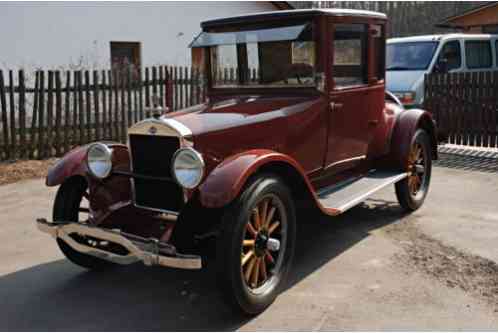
column 256, row 247
column 412, row 190
column 71, row 204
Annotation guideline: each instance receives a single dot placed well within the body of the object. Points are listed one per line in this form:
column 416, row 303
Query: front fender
column 407, row 123
column 225, row 182
column 74, row 163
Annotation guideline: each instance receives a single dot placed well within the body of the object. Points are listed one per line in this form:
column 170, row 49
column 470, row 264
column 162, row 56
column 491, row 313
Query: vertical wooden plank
column 484, row 105
column 12, row 104
column 192, row 86
column 75, row 113
column 41, row 116
column 180, row 88
column 494, row 110
column 161, row 86
column 135, row 99
column 81, row 108
column 22, row 114
column 175, row 87
column 58, row 114
column 96, row 106
column 105, row 125
column 117, row 124
column 140, row 95
column 465, row 110
column 458, row 108
column 47, row 152
column 34, row 120
column 129, row 118
column 67, row 106
column 122, row 79
column 111, row 123
column 478, row 110
column 154, row 84
column 450, row 91
column 147, row 92
column 5, row 126
column 186, row 83
column 88, row 110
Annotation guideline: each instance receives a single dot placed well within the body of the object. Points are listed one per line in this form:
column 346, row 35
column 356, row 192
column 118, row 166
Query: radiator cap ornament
column 152, row 130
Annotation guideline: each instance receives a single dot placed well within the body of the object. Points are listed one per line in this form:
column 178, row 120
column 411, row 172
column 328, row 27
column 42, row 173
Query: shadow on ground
column 62, row 297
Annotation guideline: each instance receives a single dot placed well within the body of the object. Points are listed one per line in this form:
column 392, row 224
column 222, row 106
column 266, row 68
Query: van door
column 450, row 57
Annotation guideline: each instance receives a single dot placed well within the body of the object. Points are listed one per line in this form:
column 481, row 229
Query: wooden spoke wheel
column 263, row 242
column 256, row 245
column 412, row 190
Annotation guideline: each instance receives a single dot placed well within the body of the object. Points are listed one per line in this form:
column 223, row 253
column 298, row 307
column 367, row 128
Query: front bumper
column 150, row 251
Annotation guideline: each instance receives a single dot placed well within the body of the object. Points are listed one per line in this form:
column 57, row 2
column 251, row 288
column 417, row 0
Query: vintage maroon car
column 307, row 123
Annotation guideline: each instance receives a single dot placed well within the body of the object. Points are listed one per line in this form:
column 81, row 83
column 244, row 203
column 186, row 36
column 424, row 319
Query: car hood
column 229, row 113
column 397, row 81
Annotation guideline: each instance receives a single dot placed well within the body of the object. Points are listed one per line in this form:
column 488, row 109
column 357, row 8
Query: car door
column 349, row 95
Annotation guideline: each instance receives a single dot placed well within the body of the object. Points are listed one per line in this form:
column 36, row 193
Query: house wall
column 77, row 34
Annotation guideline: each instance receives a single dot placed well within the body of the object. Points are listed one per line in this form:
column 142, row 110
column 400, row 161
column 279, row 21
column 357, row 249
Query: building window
column 125, row 56
column 478, row 54
column 350, row 65
column 490, row 29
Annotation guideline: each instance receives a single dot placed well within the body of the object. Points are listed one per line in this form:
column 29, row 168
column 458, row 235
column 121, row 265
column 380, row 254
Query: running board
column 340, row 198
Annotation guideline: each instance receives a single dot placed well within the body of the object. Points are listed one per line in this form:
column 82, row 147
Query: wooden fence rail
column 65, row 109
column 465, row 106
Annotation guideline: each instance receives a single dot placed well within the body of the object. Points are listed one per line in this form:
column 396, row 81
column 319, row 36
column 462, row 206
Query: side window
column 379, row 45
column 350, row 53
column 478, row 54
column 453, row 55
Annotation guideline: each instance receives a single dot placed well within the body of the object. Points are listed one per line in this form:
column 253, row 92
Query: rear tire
column 411, row 191
column 67, row 208
column 251, row 272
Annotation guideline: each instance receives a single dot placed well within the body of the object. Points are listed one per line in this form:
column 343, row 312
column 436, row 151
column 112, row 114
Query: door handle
column 335, row 106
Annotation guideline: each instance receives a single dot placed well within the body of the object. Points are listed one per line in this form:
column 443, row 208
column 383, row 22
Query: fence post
column 96, row 105
column 34, row 120
column 50, row 114
column 41, row 115
column 5, row 127
column 58, row 113
column 13, row 131
column 67, row 101
column 22, row 114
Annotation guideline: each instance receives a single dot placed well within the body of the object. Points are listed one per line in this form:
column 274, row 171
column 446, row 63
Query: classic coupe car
column 307, row 124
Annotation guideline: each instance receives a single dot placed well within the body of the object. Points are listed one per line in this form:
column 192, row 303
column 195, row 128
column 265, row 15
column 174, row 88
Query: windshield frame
column 429, row 62
column 263, row 88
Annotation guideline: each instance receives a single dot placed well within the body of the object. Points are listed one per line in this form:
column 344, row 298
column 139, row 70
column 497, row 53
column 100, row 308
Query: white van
column 408, row 59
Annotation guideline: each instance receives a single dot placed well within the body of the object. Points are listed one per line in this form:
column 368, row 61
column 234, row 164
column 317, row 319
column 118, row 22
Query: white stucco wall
column 74, row 34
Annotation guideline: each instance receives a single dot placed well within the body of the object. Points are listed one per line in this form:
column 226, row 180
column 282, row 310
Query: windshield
column 409, row 56
column 276, row 57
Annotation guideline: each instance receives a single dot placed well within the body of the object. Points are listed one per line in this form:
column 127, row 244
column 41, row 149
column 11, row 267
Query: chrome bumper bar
column 150, row 251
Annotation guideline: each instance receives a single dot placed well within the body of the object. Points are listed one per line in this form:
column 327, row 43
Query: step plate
column 341, row 198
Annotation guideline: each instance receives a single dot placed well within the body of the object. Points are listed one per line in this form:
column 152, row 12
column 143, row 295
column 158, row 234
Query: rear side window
column 451, row 52
column 350, row 55
column 478, row 54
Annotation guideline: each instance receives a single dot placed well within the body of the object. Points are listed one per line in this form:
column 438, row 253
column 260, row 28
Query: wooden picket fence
column 465, row 106
column 71, row 108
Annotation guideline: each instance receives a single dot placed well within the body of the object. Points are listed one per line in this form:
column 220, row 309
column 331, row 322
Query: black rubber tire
column 406, row 199
column 228, row 259
column 67, row 202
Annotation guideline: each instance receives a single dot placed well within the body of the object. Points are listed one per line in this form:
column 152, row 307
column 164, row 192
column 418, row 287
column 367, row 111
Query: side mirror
column 441, row 66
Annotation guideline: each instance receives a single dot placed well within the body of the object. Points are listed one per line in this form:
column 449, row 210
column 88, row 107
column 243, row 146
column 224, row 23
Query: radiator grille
column 151, row 156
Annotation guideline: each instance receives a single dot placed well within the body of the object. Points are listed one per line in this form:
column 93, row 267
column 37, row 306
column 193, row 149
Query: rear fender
column 405, row 127
column 226, row 181
column 74, row 163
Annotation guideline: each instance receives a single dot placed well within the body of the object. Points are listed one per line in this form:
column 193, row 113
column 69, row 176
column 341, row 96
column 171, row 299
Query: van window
column 478, row 54
column 350, row 55
column 452, row 53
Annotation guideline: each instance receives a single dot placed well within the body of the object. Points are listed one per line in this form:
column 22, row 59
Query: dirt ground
column 373, row 268
column 11, row 172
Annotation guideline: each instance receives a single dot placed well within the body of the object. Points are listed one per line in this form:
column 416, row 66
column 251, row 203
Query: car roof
column 295, row 13
column 440, row 37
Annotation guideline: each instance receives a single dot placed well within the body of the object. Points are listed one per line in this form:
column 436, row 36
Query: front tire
column 256, row 247
column 69, row 206
column 411, row 191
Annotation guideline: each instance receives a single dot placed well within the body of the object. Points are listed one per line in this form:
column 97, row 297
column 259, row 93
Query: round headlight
column 99, row 160
column 188, row 167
